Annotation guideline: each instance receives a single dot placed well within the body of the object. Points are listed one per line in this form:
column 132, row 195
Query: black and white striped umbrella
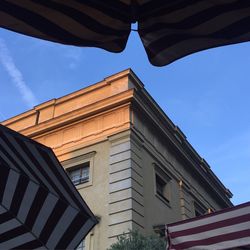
column 39, row 206
column 169, row 29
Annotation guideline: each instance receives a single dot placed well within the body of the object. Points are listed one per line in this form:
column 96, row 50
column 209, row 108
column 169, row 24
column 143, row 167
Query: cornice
column 177, row 139
column 81, row 113
column 117, row 76
column 16, row 118
column 106, row 82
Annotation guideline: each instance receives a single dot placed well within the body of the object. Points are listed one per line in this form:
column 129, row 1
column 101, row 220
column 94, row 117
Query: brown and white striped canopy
column 39, row 206
column 169, row 29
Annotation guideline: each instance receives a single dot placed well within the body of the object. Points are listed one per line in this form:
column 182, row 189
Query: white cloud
column 16, row 76
column 70, row 56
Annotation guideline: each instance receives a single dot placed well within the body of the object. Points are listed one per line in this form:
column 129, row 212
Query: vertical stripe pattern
column 81, row 23
column 225, row 229
column 179, row 28
column 169, row 30
column 38, row 203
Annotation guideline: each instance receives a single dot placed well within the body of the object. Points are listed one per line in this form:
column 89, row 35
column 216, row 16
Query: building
column 133, row 166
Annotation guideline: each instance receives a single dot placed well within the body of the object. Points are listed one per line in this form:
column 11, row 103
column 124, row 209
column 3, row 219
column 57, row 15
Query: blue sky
column 206, row 94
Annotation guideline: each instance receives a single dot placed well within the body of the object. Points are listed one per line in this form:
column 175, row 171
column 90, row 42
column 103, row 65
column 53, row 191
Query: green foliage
column 135, row 241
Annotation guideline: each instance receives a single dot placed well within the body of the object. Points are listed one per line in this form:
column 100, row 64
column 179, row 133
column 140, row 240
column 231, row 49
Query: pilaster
column 185, row 200
column 126, row 202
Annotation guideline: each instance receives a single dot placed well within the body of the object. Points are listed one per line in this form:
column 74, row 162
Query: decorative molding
column 92, row 128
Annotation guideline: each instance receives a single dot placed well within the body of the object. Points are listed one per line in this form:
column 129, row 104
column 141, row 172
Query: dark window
column 79, row 174
column 199, row 209
column 162, row 188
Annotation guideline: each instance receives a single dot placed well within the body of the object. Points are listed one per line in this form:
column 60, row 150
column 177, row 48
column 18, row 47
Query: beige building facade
column 132, row 165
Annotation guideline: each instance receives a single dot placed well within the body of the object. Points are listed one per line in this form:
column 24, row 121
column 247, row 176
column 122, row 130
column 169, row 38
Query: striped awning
column 225, row 229
column 39, row 206
column 169, row 29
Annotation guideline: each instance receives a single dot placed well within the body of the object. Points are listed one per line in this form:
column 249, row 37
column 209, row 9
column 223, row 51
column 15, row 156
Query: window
column 79, row 174
column 161, row 188
column 80, row 168
column 162, row 184
column 81, row 246
column 199, row 209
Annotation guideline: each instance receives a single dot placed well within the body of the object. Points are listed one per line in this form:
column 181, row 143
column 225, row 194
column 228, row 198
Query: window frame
column 164, row 178
column 76, row 162
column 199, row 208
column 81, row 167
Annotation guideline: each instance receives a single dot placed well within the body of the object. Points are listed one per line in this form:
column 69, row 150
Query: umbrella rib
column 23, row 224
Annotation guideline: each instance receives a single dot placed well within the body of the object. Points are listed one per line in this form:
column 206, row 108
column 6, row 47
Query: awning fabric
column 39, row 206
column 225, row 229
column 169, row 29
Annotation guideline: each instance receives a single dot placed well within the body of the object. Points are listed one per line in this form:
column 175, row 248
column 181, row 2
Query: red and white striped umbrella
column 225, row 229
